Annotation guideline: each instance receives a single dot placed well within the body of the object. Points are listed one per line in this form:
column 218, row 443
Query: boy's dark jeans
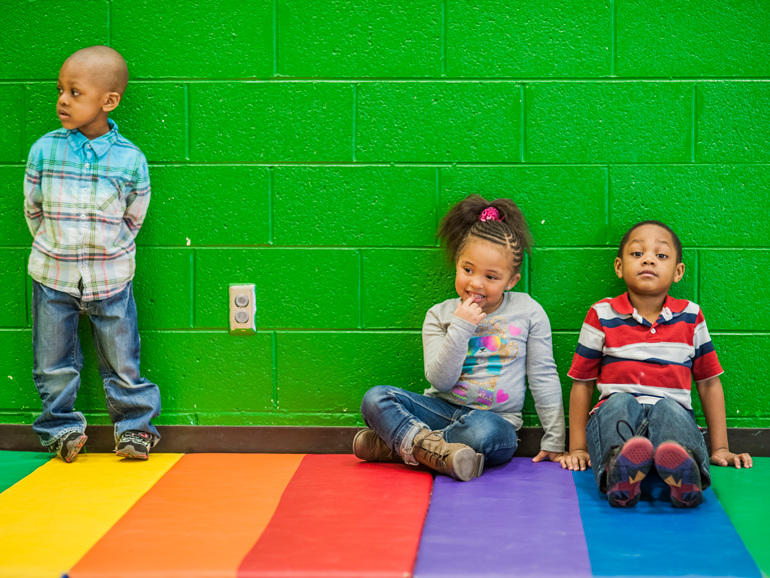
column 668, row 421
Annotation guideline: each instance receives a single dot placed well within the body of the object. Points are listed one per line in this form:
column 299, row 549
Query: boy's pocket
column 109, row 196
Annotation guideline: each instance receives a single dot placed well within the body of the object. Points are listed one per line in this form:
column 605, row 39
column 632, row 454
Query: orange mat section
column 340, row 517
column 200, row 519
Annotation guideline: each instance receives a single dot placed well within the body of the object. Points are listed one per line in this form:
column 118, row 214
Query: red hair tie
column 490, row 214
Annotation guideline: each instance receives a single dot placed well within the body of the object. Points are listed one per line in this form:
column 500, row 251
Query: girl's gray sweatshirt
column 484, row 366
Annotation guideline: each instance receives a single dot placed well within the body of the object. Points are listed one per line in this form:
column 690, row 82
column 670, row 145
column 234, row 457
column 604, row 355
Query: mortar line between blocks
column 275, row 37
column 193, row 269
column 696, row 297
column 275, row 369
column 355, row 113
column 270, row 205
column 694, row 134
column 613, row 37
column 444, row 30
column 438, row 204
column 109, row 23
column 360, row 289
column 607, row 205
column 188, row 127
column 23, row 127
column 523, row 120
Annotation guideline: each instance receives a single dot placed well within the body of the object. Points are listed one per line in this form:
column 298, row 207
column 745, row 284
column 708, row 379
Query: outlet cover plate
column 248, row 326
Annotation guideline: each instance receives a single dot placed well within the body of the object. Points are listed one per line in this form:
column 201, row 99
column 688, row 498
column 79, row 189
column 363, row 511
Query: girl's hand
column 470, row 311
column 724, row 457
column 577, row 460
column 550, row 456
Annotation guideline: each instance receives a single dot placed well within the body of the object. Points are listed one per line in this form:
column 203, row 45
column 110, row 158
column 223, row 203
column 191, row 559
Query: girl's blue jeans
column 668, row 421
column 132, row 401
column 398, row 415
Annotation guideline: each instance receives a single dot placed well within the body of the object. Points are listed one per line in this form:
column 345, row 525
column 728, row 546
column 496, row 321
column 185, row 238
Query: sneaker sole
column 74, row 450
column 130, row 452
column 680, row 472
column 633, row 463
column 466, row 465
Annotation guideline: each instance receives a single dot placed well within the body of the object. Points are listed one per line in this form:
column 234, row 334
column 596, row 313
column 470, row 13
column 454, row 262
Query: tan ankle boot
column 370, row 447
column 456, row 460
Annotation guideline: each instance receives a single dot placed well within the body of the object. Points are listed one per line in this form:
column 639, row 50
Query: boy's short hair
column 106, row 65
column 677, row 242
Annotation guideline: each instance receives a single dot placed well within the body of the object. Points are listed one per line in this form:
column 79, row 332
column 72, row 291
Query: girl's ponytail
column 500, row 222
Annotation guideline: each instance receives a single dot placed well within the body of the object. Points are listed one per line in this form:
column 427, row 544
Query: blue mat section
column 655, row 539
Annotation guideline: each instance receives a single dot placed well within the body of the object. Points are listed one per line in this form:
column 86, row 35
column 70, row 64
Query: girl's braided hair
column 463, row 223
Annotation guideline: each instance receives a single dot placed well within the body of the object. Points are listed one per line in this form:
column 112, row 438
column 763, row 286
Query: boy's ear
column 679, row 273
column 111, row 102
column 512, row 283
column 619, row 267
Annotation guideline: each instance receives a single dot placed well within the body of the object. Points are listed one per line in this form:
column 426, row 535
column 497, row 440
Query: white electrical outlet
column 243, row 309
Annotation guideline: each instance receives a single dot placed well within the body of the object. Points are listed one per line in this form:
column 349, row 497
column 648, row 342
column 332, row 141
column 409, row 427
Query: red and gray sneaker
column 678, row 469
column 69, row 445
column 135, row 444
column 626, row 468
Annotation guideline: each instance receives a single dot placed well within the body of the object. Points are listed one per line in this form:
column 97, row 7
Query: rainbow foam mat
column 271, row 515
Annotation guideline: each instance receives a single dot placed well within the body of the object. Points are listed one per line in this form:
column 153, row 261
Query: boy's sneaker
column 134, row 444
column 68, row 445
column 370, row 447
column 678, row 469
column 627, row 467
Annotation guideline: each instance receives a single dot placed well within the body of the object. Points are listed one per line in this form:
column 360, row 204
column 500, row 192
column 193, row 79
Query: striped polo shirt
column 624, row 352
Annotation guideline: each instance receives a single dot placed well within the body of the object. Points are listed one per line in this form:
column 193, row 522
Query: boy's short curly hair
column 677, row 242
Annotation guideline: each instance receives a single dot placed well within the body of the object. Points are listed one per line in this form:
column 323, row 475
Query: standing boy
column 86, row 194
column 641, row 350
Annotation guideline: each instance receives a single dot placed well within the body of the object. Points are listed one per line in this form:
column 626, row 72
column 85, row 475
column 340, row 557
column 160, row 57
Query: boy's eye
column 59, row 90
column 662, row 256
column 75, row 93
column 636, row 253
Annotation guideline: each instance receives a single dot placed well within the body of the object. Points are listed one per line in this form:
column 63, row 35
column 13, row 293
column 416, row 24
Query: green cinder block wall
column 310, row 147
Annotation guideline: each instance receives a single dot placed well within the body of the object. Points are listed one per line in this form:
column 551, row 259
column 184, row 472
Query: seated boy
column 640, row 349
column 86, row 194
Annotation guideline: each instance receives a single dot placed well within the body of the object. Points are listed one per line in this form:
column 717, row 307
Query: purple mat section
column 520, row 519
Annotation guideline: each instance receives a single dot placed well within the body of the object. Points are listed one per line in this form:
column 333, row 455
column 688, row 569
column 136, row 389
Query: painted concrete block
column 438, row 122
column 153, row 117
column 400, row 285
column 608, row 122
column 18, row 392
column 744, row 383
column 355, row 206
column 528, row 39
column 39, row 36
column 210, row 371
column 163, row 288
column 197, row 205
column 39, row 112
column 562, row 205
column 332, row 371
column 291, row 121
column 296, row 288
column 11, row 119
column 718, row 205
column 13, row 291
column 342, row 38
column 663, row 38
column 733, row 120
column 14, row 230
column 733, row 289
column 198, row 40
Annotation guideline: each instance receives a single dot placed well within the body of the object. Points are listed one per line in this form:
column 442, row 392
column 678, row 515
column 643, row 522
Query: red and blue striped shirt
column 624, row 352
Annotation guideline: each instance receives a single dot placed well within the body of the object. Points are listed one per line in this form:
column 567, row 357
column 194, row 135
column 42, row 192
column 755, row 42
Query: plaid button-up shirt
column 84, row 202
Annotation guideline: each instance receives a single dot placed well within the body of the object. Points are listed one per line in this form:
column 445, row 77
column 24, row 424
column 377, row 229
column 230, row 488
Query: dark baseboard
column 298, row 440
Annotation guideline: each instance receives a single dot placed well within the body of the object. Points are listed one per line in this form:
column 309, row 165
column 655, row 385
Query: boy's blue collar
column 99, row 145
column 622, row 305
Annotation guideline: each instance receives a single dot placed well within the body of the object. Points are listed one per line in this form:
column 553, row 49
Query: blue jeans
column 668, row 421
column 132, row 401
column 398, row 415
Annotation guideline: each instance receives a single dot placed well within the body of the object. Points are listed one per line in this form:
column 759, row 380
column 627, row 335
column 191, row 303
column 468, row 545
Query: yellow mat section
column 51, row 518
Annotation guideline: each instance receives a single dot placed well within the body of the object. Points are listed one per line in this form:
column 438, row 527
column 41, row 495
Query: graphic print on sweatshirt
column 490, row 348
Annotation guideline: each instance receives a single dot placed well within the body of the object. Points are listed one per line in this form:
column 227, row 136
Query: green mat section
column 17, row 465
column 745, row 496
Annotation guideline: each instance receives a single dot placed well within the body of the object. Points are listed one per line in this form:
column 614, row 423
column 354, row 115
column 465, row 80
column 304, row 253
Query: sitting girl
column 478, row 350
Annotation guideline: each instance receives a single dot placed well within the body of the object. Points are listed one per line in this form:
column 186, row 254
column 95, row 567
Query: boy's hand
column 551, row 456
column 470, row 311
column 724, row 457
column 576, row 460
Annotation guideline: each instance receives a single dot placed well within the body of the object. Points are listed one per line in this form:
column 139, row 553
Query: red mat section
column 342, row 517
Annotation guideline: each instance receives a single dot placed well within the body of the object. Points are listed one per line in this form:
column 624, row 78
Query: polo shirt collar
column 99, row 145
column 671, row 307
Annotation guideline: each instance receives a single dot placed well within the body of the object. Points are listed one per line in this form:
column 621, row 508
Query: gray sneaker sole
column 73, row 448
column 130, row 452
